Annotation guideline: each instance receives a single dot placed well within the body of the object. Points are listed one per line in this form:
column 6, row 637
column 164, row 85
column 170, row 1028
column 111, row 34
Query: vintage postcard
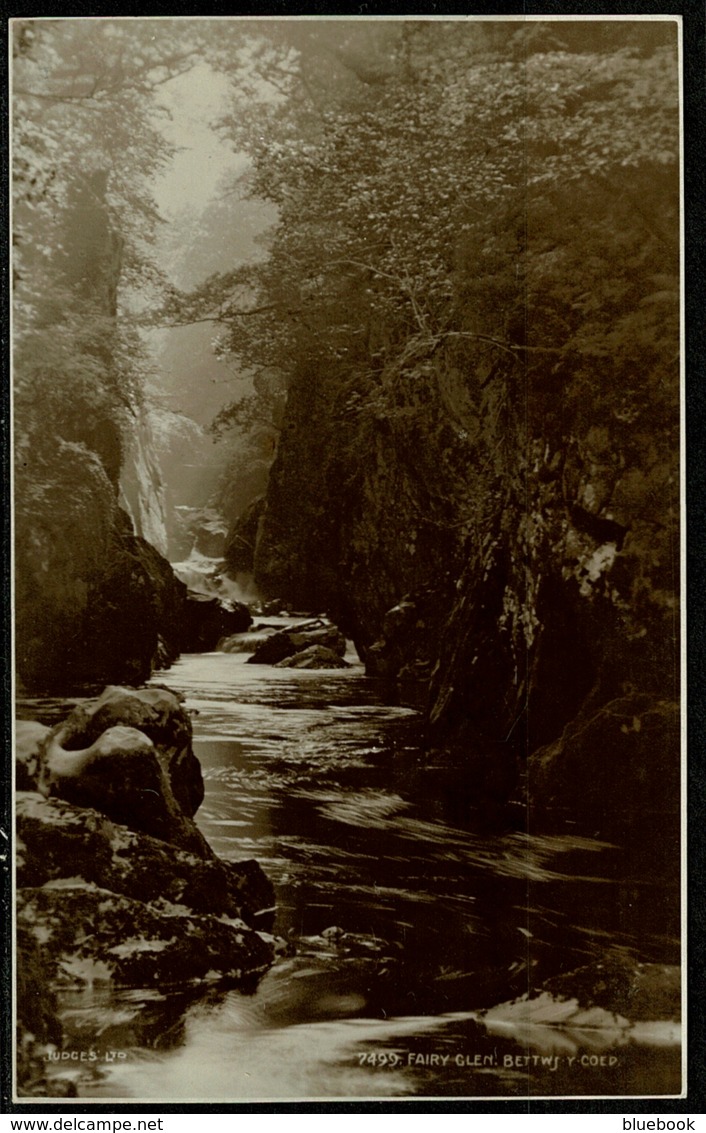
column 347, row 409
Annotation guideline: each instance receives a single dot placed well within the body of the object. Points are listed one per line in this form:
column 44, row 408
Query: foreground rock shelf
column 115, row 883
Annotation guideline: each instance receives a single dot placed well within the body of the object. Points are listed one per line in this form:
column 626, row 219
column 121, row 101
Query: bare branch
column 225, row 316
column 82, row 100
column 510, row 347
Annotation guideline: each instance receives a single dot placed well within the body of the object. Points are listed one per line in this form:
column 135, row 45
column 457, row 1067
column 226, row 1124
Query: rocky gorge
column 417, row 650
column 115, row 883
column 480, row 595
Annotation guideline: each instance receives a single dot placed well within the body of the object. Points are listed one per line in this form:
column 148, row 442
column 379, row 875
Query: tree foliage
column 488, row 211
column 475, row 221
column 439, row 173
column 87, row 144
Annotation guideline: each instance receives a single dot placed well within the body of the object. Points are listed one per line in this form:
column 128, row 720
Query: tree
column 489, row 213
column 386, row 189
column 87, row 144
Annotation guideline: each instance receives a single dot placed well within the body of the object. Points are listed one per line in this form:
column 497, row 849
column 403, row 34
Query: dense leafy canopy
column 500, row 189
column 489, row 212
column 88, row 141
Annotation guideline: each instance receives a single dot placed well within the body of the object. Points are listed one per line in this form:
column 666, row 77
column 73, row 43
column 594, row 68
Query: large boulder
column 158, row 713
column 313, row 657
column 290, row 641
column 207, row 620
column 613, row 765
column 95, row 935
column 128, row 754
column 121, row 775
column 57, row 839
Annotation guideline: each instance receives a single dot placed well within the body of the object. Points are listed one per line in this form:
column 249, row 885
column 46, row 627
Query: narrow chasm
column 346, row 515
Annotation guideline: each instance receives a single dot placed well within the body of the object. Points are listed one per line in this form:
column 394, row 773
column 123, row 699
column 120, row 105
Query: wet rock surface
column 158, row 714
column 57, row 839
column 600, row 1007
column 150, row 784
column 637, row 775
column 116, row 884
column 207, row 620
column 140, row 943
column 287, row 642
column 640, row 992
column 313, row 657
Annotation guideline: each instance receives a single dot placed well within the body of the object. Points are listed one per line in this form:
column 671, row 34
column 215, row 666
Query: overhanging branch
column 226, row 316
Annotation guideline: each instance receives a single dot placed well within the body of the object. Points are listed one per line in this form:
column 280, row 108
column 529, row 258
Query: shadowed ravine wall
column 507, row 556
column 95, row 602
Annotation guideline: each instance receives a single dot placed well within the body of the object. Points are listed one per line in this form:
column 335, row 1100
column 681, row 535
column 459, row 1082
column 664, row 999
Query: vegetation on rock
column 87, row 144
column 471, row 295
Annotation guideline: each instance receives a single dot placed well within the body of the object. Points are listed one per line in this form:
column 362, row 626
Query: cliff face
column 510, row 551
column 95, row 600
column 473, row 291
column 142, row 493
column 189, row 469
column 359, row 509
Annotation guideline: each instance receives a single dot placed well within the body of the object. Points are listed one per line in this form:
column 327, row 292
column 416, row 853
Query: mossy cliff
column 95, row 601
column 507, row 552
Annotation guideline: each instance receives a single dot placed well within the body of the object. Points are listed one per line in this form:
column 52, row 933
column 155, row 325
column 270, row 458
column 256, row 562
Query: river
column 402, row 914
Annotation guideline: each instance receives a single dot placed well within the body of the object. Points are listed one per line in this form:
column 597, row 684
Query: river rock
column 57, row 839
column 30, row 737
column 314, row 657
column 386, row 656
column 150, row 784
column 596, row 1008
column 272, row 608
column 210, row 532
column 617, row 763
column 405, row 650
column 121, row 775
column 95, row 935
column 207, row 620
column 158, row 713
column 102, row 902
column 640, row 992
column 290, row 641
column 246, row 642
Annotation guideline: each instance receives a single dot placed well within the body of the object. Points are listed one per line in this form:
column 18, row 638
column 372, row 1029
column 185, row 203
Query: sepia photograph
column 347, row 411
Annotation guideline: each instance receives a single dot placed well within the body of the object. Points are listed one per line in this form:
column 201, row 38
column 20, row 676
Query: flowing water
column 402, row 914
